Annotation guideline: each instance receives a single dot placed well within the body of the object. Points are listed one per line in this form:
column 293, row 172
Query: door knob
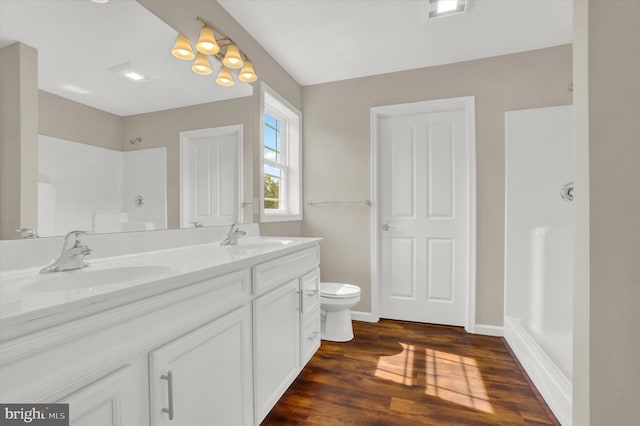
column 385, row 227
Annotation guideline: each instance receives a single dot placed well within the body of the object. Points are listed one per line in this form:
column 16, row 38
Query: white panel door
column 211, row 176
column 424, row 212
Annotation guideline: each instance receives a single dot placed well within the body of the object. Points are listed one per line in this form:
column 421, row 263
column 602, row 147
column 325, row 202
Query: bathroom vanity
column 204, row 334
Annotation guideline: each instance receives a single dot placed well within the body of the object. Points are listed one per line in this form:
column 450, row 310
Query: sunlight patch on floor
column 451, row 377
column 397, row 368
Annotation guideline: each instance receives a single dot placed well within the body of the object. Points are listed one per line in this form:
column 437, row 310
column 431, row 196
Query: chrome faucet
column 72, row 255
column 27, row 233
column 232, row 236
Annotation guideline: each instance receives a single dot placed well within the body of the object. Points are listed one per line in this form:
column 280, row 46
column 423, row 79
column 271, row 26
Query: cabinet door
column 106, row 402
column 276, row 344
column 205, row 376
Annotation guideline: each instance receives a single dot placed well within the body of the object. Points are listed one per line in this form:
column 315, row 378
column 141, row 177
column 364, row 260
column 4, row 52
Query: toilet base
column 336, row 326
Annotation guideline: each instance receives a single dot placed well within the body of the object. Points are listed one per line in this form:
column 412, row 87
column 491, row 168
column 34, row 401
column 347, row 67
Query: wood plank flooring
column 402, row 373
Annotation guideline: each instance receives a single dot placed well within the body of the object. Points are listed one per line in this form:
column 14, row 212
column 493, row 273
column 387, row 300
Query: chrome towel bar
column 366, row 202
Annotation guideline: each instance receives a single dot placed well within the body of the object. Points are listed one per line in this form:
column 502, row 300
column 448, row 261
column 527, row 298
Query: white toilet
column 336, row 301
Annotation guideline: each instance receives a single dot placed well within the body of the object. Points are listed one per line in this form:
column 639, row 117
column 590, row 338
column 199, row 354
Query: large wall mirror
column 112, row 104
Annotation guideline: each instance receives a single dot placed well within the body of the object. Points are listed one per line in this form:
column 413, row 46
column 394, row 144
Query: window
column 281, row 165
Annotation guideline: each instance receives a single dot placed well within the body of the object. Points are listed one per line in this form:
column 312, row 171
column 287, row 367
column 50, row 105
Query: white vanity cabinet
column 277, row 307
column 107, row 366
column 204, row 377
column 309, row 315
column 209, row 346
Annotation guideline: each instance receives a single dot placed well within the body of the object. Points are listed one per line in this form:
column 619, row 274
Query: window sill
column 280, row 217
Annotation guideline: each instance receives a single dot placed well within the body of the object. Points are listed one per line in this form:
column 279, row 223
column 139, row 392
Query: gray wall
column 607, row 287
column 18, row 139
column 66, row 119
column 337, row 158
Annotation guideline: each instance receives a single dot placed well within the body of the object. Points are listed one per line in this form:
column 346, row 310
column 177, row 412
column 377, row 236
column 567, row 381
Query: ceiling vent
column 440, row 8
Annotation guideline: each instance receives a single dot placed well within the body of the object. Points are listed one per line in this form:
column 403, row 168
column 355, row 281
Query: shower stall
column 539, row 241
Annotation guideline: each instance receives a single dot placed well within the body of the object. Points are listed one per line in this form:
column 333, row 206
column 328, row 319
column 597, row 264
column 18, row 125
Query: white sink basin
column 84, row 278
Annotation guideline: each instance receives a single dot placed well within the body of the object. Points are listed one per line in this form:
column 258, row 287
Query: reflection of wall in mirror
column 92, row 188
column 69, row 120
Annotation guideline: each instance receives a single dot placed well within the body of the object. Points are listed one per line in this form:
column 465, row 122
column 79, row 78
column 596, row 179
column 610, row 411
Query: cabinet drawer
column 269, row 275
column 310, row 289
column 309, row 337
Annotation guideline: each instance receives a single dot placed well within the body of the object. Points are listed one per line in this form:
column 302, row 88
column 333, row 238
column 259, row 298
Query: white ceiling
column 318, row 41
column 78, row 40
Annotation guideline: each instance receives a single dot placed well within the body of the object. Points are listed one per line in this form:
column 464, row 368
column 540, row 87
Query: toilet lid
column 338, row 290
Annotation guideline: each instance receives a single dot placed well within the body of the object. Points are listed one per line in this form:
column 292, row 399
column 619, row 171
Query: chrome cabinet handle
column 385, row 227
column 313, row 336
column 169, row 378
column 312, row 293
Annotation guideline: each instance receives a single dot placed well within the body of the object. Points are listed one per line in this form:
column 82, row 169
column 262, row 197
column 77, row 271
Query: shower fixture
column 566, row 192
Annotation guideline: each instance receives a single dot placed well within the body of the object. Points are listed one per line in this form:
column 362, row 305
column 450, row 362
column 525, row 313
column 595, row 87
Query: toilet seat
column 338, row 290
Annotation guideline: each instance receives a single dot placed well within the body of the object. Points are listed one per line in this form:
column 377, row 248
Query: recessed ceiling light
column 132, row 75
column 100, row 1
column 439, row 8
column 131, row 72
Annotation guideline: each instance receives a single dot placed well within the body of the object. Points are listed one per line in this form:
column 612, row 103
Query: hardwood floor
column 401, row 373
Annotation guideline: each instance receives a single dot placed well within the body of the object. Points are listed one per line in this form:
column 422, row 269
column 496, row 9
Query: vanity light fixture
column 207, row 42
column 201, row 65
column 439, row 8
column 213, row 42
column 182, row 48
column 232, row 58
column 247, row 74
column 225, row 78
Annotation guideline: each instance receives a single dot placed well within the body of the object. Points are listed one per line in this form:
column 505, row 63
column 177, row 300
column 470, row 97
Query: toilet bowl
column 336, row 301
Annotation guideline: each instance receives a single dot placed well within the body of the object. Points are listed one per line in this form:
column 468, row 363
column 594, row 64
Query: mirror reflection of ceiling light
column 131, row 72
column 221, row 48
column 439, row 8
column 132, row 75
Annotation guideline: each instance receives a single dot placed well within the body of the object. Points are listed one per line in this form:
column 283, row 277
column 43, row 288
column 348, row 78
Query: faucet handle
column 75, row 236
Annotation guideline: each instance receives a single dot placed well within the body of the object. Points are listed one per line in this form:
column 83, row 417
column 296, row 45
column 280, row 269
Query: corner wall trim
column 364, row 316
column 489, row 330
column 556, row 389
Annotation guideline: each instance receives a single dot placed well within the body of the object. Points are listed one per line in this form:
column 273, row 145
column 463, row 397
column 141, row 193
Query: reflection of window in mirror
column 281, row 160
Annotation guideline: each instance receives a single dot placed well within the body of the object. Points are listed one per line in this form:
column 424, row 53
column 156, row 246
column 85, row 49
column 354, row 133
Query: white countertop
column 26, row 295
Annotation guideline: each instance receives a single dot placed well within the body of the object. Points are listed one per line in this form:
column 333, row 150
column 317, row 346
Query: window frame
column 290, row 151
column 281, row 165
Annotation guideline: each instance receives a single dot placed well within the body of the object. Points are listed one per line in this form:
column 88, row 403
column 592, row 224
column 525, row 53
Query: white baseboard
column 489, row 330
column 364, row 316
column 553, row 385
